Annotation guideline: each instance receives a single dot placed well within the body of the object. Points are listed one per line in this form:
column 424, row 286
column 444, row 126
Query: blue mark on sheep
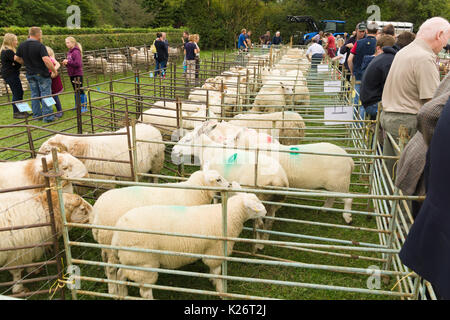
column 178, row 208
column 232, row 159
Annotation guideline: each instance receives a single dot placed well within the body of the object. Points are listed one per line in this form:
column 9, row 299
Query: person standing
column 248, row 39
column 57, row 85
column 197, row 58
column 349, row 44
column 315, row 54
column 34, row 55
column 185, row 39
column 331, row 45
column 374, row 78
column 74, row 64
column 362, row 48
column 161, row 55
column 242, row 43
column 426, row 250
column 190, row 50
column 11, row 73
column 412, row 81
column 277, row 39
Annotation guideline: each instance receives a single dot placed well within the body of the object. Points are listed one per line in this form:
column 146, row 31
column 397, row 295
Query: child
column 57, row 86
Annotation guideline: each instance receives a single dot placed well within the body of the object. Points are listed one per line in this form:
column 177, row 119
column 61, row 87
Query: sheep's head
column 54, row 142
column 253, row 206
column 77, row 210
column 71, row 166
column 213, row 178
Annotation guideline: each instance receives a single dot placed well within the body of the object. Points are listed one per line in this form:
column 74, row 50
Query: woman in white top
column 341, row 57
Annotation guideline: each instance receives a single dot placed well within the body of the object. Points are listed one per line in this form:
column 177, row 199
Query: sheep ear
column 206, row 166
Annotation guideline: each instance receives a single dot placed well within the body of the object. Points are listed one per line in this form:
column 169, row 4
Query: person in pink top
column 57, row 85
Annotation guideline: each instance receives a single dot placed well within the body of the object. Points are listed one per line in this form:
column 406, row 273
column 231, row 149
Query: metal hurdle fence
column 12, row 241
column 356, row 139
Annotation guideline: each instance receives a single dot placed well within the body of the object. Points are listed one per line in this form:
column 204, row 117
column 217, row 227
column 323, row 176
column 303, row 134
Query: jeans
column 40, row 87
column 315, row 60
column 17, row 91
column 160, row 67
column 372, row 111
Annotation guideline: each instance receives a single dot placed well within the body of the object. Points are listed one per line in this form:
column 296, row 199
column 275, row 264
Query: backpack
column 153, row 48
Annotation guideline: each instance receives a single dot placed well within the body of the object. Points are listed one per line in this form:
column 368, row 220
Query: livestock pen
column 311, row 254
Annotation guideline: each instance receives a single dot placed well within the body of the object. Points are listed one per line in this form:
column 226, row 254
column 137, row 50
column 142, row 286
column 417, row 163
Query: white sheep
column 289, row 126
column 19, row 209
column 235, row 165
column 200, row 220
column 150, row 156
column 313, row 171
column 166, row 119
column 272, row 98
column 28, row 173
column 113, row 204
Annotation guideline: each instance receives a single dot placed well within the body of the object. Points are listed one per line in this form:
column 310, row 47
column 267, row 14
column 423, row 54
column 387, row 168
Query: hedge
column 101, row 41
column 47, row 30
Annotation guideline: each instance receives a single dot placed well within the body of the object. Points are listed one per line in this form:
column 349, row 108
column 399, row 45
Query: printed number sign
column 331, row 86
column 49, row 101
column 337, row 114
column 23, row 107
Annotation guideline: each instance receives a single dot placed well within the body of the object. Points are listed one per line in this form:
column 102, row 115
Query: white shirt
column 342, row 59
column 314, row 49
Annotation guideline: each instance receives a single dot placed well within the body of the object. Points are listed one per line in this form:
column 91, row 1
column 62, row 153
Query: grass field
column 235, row 269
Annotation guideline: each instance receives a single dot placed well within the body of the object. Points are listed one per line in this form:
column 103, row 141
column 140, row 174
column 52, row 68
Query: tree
column 133, row 14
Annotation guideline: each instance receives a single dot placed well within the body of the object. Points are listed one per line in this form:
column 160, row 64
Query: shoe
column 20, row 115
column 59, row 114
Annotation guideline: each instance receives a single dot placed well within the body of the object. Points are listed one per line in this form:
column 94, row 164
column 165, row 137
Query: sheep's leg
column 259, row 224
column 348, row 207
column 120, row 289
column 147, row 277
column 268, row 224
column 33, row 270
column 217, row 282
column 17, row 287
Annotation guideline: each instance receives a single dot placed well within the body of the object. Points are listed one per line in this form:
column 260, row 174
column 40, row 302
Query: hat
column 362, row 26
column 373, row 26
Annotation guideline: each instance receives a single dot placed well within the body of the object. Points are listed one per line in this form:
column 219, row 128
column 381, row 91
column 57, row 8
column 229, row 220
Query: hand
column 54, row 75
column 64, row 63
column 350, row 45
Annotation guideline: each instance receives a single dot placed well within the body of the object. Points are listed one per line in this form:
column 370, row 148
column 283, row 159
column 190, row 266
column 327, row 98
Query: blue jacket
column 375, row 75
column 427, row 247
column 364, row 47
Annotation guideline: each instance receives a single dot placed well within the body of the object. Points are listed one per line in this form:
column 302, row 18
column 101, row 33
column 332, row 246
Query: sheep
column 150, row 156
column 311, row 171
column 18, row 209
column 28, row 173
column 186, row 106
column 166, row 119
column 200, row 220
column 291, row 131
column 113, row 204
column 224, row 132
column 272, row 98
column 117, row 58
column 235, row 165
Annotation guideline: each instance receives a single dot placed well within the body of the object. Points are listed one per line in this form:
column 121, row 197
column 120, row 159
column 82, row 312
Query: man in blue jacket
column 242, row 42
column 375, row 75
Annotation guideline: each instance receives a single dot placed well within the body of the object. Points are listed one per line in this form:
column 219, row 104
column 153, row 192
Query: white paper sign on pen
column 339, row 115
column 332, row 86
column 323, row 68
column 23, row 107
column 49, row 101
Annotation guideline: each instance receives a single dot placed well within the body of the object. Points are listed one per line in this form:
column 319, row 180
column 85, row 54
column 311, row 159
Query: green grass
column 239, row 269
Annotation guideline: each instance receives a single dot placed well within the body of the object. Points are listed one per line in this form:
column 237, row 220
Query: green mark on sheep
column 178, row 208
column 294, row 153
column 232, row 159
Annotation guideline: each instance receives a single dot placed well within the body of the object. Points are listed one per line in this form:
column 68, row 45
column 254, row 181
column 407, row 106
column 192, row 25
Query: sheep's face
column 71, row 166
column 214, row 179
column 77, row 210
column 191, row 143
column 253, row 206
column 54, row 142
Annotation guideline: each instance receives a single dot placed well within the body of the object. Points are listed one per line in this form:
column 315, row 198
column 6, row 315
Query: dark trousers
column 58, row 103
column 77, row 78
column 17, row 91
